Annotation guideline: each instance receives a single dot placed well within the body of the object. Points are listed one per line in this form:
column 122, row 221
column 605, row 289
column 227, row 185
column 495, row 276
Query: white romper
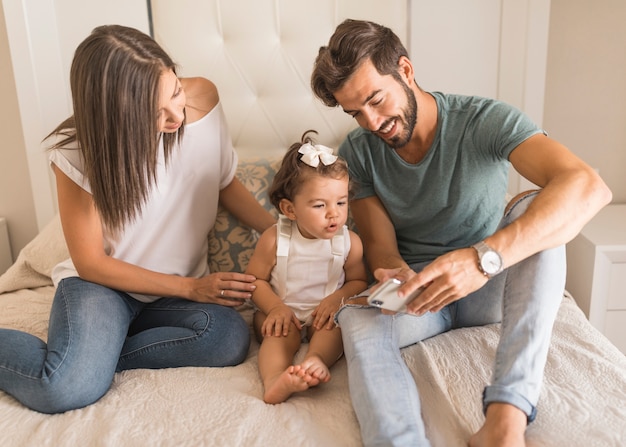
column 307, row 270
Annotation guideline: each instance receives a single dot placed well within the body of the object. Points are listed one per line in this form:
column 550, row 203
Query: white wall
column 450, row 61
column 585, row 104
column 16, row 195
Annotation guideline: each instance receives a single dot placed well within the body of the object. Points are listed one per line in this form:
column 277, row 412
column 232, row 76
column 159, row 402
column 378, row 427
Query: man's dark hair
column 353, row 42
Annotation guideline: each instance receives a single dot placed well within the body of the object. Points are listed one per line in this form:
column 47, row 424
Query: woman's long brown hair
column 114, row 79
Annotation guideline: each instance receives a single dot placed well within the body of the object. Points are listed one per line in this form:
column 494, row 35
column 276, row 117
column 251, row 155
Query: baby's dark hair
column 293, row 172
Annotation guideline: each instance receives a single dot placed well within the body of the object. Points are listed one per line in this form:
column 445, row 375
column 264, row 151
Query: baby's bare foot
column 290, row 381
column 315, row 367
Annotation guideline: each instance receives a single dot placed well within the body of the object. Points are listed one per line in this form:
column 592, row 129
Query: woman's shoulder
column 202, row 97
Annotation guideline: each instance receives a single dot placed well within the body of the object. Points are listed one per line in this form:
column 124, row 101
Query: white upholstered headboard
column 260, row 54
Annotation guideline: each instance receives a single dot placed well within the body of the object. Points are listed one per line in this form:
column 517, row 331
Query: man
column 431, row 173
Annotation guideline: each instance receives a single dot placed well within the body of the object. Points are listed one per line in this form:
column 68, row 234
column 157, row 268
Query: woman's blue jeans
column 525, row 298
column 95, row 331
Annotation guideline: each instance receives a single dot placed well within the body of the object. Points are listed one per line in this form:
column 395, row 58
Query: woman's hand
column 225, row 288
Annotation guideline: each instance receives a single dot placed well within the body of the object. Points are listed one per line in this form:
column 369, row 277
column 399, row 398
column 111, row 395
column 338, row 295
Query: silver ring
column 222, row 292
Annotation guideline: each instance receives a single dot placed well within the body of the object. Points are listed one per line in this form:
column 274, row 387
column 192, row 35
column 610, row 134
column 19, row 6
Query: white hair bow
column 312, row 154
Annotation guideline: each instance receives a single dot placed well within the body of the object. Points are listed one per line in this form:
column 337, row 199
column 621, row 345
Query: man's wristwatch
column 489, row 260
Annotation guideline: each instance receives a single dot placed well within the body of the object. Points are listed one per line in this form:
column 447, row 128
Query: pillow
column 35, row 262
column 231, row 243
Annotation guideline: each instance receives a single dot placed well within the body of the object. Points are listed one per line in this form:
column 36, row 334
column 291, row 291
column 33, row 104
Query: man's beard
column 409, row 119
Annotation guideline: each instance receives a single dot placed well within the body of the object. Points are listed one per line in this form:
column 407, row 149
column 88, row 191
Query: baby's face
column 321, row 206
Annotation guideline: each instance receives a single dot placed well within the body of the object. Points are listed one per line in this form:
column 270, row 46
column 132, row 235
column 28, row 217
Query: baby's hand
column 277, row 322
column 324, row 314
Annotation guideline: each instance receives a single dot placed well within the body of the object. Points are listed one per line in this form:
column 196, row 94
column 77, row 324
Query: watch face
column 491, row 262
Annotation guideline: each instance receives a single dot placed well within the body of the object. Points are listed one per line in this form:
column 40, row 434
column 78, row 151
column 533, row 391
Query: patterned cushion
column 231, row 243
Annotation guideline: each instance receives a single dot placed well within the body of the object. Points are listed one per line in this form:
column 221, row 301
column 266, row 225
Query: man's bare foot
column 290, row 381
column 315, row 367
column 504, row 427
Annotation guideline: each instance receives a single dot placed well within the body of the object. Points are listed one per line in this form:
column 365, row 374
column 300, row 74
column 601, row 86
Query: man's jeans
column 525, row 298
column 95, row 331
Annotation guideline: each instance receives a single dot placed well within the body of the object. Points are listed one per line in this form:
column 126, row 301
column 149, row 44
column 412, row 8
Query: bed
column 583, row 401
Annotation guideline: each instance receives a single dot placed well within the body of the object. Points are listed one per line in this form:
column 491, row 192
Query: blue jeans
column 525, row 298
column 95, row 331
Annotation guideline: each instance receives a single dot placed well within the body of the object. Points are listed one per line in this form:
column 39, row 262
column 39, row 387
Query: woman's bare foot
column 292, row 380
column 504, row 427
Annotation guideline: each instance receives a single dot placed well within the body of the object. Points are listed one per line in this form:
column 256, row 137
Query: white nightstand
column 596, row 272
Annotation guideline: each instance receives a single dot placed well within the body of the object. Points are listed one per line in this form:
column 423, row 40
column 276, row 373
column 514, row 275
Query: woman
column 139, row 168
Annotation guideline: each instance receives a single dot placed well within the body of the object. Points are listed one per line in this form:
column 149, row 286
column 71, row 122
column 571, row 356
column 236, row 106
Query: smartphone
column 386, row 296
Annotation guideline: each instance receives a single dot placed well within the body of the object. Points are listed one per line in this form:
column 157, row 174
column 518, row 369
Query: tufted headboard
column 260, row 54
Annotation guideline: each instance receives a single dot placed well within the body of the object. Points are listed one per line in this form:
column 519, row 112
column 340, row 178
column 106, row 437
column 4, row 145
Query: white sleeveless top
column 170, row 235
column 307, row 270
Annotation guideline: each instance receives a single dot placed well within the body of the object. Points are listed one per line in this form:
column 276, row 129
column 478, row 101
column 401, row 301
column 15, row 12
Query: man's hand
column 448, row 278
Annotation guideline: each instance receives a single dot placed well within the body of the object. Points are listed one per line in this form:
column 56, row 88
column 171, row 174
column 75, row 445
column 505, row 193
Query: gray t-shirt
column 455, row 196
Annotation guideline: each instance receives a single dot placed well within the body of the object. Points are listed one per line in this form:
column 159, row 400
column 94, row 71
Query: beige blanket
column 583, row 402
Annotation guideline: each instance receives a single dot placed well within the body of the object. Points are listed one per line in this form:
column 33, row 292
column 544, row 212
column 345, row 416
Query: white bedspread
column 583, row 402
